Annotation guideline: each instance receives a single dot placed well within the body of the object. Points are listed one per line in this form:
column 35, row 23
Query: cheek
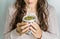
column 35, row 1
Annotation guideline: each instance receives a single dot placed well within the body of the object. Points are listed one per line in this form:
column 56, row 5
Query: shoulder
column 12, row 10
column 51, row 10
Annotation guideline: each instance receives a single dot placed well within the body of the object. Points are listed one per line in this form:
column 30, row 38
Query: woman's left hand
column 36, row 31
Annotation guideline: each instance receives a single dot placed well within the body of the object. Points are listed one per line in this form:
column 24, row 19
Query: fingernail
column 28, row 24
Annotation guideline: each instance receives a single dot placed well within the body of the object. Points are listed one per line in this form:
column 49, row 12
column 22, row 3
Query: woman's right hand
column 22, row 27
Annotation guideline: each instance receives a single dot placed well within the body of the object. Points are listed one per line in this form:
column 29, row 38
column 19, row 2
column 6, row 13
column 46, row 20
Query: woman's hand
column 22, row 27
column 36, row 31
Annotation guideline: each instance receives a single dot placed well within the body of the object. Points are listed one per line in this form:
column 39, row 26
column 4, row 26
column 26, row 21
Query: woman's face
column 30, row 2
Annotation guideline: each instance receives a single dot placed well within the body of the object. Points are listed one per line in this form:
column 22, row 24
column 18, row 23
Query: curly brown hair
column 42, row 14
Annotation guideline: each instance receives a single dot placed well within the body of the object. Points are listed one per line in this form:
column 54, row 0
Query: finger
column 32, row 29
column 25, row 26
column 33, row 33
column 25, row 30
column 21, row 24
column 33, row 25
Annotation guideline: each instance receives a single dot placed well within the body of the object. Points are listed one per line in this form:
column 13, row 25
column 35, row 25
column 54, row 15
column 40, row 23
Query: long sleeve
column 53, row 27
column 7, row 27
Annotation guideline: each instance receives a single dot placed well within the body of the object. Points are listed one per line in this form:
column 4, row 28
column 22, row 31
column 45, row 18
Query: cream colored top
column 53, row 27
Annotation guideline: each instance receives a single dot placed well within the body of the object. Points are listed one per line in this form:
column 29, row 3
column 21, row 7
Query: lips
column 29, row 2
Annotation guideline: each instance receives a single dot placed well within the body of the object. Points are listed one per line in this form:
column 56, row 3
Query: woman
column 44, row 28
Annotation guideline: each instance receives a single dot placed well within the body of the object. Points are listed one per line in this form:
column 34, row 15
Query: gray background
column 4, row 4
